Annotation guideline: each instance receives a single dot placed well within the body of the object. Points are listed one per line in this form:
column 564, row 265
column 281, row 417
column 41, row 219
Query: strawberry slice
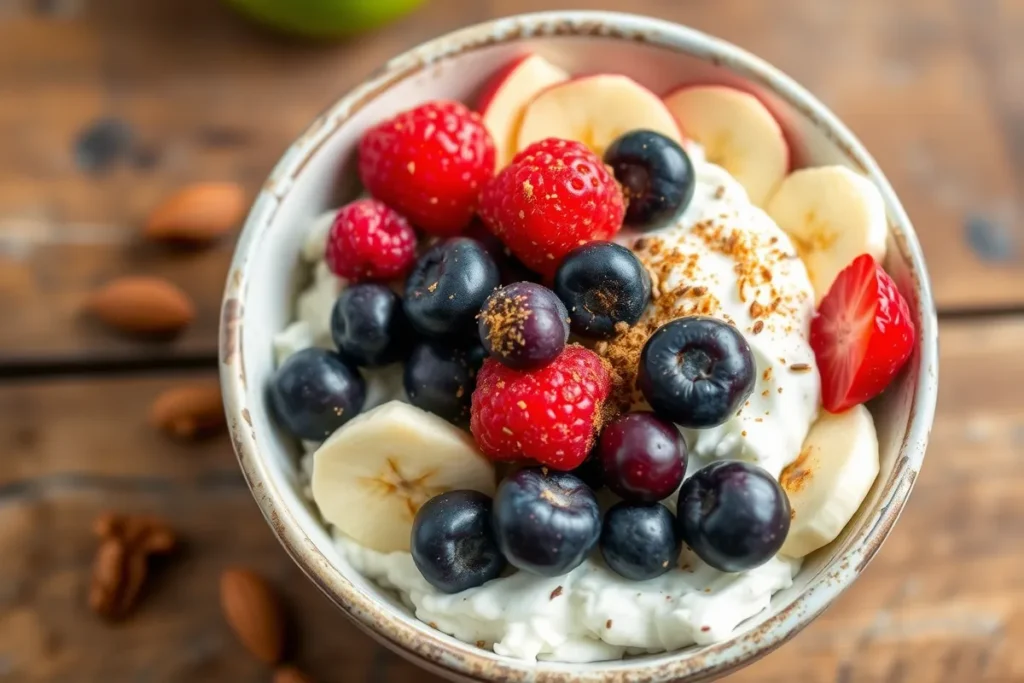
column 862, row 335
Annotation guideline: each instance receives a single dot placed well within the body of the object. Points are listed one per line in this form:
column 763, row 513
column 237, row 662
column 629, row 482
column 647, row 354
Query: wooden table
column 933, row 87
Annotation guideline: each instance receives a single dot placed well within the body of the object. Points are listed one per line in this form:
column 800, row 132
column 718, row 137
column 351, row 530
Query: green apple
column 324, row 18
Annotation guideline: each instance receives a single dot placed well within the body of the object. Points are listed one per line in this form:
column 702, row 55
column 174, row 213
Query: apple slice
column 506, row 95
column 595, row 110
column 737, row 132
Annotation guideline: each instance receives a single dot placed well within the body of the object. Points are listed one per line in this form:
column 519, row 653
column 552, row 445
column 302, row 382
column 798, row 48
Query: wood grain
column 932, row 86
column 943, row 601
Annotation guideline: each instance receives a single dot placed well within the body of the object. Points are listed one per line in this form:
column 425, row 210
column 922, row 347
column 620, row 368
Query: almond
column 197, row 214
column 254, row 612
column 289, row 674
column 142, row 305
column 189, row 411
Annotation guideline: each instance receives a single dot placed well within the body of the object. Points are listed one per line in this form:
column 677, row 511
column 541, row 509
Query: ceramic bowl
column 317, row 172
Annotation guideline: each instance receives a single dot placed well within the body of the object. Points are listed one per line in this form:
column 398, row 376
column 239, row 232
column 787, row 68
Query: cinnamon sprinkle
column 505, row 319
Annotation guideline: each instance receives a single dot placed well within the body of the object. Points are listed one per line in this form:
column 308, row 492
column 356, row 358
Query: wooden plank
column 943, row 601
column 75, row 448
column 207, row 96
column 210, row 97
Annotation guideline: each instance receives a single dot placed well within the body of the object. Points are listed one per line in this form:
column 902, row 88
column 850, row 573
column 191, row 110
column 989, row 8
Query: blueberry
column 440, row 379
column 656, row 175
column 696, row 371
column 733, row 514
column 602, row 284
column 524, row 325
column 369, row 326
column 453, row 542
column 510, row 268
column 314, row 392
column 639, row 540
column 475, row 355
column 448, row 285
column 643, row 458
column 590, row 472
column 546, row 522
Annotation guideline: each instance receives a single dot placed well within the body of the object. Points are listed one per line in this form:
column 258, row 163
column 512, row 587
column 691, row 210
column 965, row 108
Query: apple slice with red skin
column 595, row 110
column 505, row 98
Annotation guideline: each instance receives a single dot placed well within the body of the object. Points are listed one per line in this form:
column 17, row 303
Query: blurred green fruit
column 324, row 18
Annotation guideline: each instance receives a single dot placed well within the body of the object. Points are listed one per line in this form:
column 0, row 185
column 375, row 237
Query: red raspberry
column 552, row 197
column 548, row 415
column 370, row 241
column 429, row 163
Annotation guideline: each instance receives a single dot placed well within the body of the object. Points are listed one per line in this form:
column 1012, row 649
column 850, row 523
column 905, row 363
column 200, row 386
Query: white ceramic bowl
column 318, row 171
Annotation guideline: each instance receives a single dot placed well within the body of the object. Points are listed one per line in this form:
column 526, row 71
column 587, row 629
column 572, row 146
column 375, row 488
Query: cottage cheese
column 723, row 257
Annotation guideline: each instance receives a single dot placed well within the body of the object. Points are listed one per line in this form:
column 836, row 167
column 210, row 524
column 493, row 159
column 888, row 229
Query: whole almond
column 142, row 305
column 289, row 674
column 254, row 612
column 197, row 214
column 189, row 411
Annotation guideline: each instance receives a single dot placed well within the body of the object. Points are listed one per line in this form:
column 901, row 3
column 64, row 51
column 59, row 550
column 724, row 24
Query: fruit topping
column 733, row 514
column 524, row 325
column 862, row 335
column 453, row 544
column 832, row 215
column 696, row 371
column 605, row 286
column 449, row 284
column 369, row 241
column 373, row 475
column 830, row 479
column 643, row 458
column 552, row 197
column 546, row 522
column 656, row 174
column 549, row 415
column 505, row 98
column 439, row 378
column 639, row 540
column 591, row 471
column 595, row 110
column 369, row 326
column 314, row 392
column 429, row 163
column 737, row 132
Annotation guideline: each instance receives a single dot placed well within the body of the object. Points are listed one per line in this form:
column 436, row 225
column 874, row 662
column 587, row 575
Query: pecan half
column 121, row 564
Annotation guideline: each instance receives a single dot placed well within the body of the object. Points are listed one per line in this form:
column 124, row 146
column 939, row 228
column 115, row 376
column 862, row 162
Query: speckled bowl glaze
column 318, row 172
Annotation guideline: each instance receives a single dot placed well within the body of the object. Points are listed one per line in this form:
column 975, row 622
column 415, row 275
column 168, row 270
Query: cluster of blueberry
column 732, row 514
column 500, row 359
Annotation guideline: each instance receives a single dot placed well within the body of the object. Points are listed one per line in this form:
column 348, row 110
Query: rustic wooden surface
column 932, row 86
column 944, row 601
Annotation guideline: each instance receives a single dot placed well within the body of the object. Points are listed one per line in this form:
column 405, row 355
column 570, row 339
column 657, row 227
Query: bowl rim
column 470, row 663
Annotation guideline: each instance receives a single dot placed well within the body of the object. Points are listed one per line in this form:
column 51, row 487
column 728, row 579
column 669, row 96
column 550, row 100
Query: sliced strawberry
column 862, row 335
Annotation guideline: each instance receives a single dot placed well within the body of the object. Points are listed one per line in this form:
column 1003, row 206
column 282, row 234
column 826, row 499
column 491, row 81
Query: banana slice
column 737, row 132
column 832, row 215
column 372, row 475
column 595, row 110
column 830, row 479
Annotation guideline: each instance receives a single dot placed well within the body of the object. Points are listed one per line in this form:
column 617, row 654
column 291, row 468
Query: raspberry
column 549, row 415
column 369, row 241
column 554, row 196
column 429, row 163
